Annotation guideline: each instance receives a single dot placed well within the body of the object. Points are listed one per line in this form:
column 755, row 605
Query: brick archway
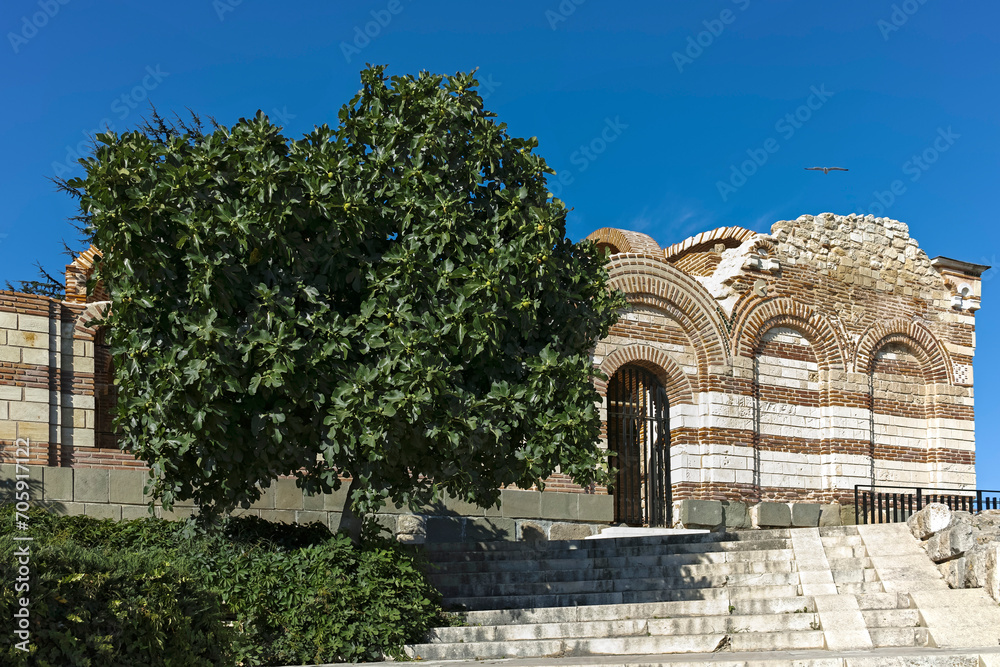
column 913, row 335
column 667, row 371
column 625, row 241
column 651, row 281
column 766, row 314
column 94, row 311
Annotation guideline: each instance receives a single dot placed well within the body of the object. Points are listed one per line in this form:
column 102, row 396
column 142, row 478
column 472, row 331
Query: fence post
column 919, row 506
column 855, row 504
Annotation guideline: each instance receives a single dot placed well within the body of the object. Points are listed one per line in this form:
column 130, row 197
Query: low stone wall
column 522, row 515
column 966, row 547
column 732, row 515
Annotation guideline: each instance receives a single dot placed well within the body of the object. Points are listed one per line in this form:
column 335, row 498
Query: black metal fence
column 892, row 504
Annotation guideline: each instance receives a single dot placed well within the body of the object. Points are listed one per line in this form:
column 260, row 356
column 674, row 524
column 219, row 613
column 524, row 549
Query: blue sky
column 642, row 107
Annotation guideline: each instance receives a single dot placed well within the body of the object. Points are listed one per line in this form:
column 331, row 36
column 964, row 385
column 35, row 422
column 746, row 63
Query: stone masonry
column 831, row 352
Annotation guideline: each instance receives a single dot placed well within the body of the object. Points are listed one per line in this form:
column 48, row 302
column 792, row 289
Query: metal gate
column 639, row 435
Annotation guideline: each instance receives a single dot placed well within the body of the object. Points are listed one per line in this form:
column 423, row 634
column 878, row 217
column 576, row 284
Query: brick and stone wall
column 831, row 352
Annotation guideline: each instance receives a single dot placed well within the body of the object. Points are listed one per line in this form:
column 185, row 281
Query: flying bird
column 825, row 170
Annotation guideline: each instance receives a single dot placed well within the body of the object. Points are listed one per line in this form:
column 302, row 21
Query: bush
column 295, row 594
column 91, row 607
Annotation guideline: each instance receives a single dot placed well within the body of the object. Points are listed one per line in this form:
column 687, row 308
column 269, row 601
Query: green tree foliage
column 144, row 592
column 393, row 300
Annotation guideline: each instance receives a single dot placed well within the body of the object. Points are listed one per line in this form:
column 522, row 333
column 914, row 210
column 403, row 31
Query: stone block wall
column 117, row 493
column 737, row 515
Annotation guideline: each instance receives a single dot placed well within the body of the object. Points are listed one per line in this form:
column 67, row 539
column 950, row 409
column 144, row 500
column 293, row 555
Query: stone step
column 832, row 541
column 557, row 648
column 791, row 605
column 619, row 597
column 883, row 637
column 631, row 645
column 871, row 601
column 654, row 560
column 435, row 548
column 617, row 585
column 880, row 657
column 891, row 618
column 608, row 549
column 836, row 552
column 684, row 625
column 860, row 588
column 652, row 569
column 853, row 576
column 849, row 563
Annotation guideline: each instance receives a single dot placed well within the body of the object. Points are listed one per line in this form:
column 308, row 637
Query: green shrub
column 104, row 608
column 295, row 594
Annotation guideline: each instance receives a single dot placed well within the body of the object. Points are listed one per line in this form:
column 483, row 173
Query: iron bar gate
column 639, row 434
column 892, row 504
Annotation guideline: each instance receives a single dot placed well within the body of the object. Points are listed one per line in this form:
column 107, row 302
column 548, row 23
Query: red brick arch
column 763, row 315
column 650, row 281
column 915, row 336
column 667, row 371
column 93, row 311
column 623, row 240
column 764, row 246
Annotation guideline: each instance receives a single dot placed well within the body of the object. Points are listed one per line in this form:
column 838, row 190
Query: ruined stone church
column 787, row 366
column 792, row 366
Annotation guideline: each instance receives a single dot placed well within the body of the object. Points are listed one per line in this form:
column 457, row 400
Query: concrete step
column 684, row 625
column 777, row 641
column 437, row 548
column 618, row 597
column 835, row 552
column 860, row 588
column 853, row 576
column 790, row 605
column 891, row 618
column 483, row 589
column 654, row 560
column 630, row 645
column 608, row 549
column 879, row 657
column 651, row 569
column 588, row 646
column 870, row 601
column 882, row 637
column 849, row 563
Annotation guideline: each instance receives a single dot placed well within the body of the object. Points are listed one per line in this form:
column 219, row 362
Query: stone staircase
column 807, row 589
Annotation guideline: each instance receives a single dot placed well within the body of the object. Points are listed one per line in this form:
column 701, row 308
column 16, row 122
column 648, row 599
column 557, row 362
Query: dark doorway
column 639, row 436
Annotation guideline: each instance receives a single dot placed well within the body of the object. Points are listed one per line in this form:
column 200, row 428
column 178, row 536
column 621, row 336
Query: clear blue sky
column 892, row 76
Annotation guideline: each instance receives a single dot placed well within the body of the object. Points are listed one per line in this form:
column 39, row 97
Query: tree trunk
column 349, row 521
